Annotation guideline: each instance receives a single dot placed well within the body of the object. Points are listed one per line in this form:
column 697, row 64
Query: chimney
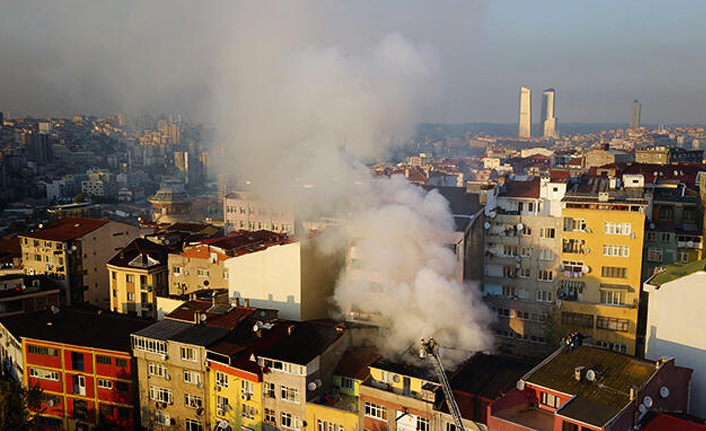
column 246, row 302
column 579, row 373
column 290, row 329
column 633, row 393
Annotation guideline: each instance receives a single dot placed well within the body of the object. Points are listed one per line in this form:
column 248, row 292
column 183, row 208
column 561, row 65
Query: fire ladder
column 431, row 348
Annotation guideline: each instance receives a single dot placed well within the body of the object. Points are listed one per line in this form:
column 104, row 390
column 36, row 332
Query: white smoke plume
column 302, row 117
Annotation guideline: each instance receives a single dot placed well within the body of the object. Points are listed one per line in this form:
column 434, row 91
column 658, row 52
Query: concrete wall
column 675, row 329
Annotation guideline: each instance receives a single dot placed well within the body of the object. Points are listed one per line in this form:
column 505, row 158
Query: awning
column 616, row 287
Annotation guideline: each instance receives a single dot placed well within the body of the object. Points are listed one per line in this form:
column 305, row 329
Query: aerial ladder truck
column 430, row 349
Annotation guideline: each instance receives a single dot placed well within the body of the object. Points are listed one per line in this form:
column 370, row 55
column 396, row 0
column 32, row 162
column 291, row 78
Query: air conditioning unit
column 165, row 356
column 220, row 412
column 247, row 397
column 217, row 388
column 167, row 377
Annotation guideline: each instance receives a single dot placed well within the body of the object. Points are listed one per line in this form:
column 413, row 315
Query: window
column 651, row 236
column 611, row 228
column 347, row 383
column 544, row 296
column 526, row 231
column 121, row 363
column 158, row 370
column 270, row 416
column 202, row 272
column 509, row 291
column 327, row 426
column 665, row 237
column 550, row 400
column 80, row 409
column 522, row 315
column 572, row 265
column 131, row 296
column 106, row 410
column 103, row 360
column 545, row 275
column 547, row 232
column 546, row 254
column 568, row 426
column 290, row 422
column 689, row 214
column 613, row 324
column 161, row 418
column 683, row 256
column 176, row 270
column 612, row 297
column 248, row 412
column 188, row 354
column 616, row 250
column 525, row 252
column 192, row 377
column 270, row 390
column 77, row 361
column 290, row 394
column 573, row 224
column 193, row 401
column 221, row 379
column 375, row 411
column 129, row 278
column 509, row 250
column 41, row 350
column 161, row 395
column 105, row 384
column 576, row 319
column 422, row 424
column 502, row 312
column 572, row 245
column 123, row 387
column 247, row 389
column 654, row 254
column 193, row 425
column 40, row 373
column 614, row 272
column 616, row 347
column 524, row 273
column 666, row 213
column 148, row 345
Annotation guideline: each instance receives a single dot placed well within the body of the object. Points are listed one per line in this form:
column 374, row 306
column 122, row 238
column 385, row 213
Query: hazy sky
column 86, row 56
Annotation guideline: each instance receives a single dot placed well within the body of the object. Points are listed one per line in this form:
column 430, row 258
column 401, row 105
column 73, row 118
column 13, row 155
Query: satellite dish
column 652, row 225
column 585, row 269
column 73, row 248
column 518, row 266
column 588, row 250
column 520, row 385
column 206, row 283
column 203, row 318
column 632, row 235
column 493, row 214
column 520, row 226
column 257, row 326
column 643, row 409
column 647, row 401
column 166, row 242
column 40, row 225
column 486, row 225
column 664, row 392
column 690, row 244
column 396, row 378
column 591, row 375
column 263, row 313
column 311, row 386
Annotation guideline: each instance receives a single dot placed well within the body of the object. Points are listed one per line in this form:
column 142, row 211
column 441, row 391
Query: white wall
column 675, row 328
column 269, row 278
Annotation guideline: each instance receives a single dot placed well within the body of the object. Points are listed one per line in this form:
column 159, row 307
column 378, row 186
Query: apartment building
column 297, row 367
column 244, row 210
column 81, row 360
column 21, row 293
column 138, row 273
column 521, row 262
column 73, row 251
column 172, row 363
column 674, row 233
column 603, row 225
column 673, row 322
column 591, row 389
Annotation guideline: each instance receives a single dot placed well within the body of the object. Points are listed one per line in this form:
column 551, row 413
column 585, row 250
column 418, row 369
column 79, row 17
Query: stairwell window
column 614, row 272
column 547, row 232
column 545, row 275
column 188, row 354
column 544, row 296
column 550, row 400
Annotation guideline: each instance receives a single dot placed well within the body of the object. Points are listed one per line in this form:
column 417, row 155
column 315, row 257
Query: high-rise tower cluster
column 635, row 114
column 548, row 121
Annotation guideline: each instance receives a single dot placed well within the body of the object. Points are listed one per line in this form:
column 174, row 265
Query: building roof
column 247, row 241
column 463, row 205
column 676, row 271
column 355, row 362
column 217, row 315
column 667, row 422
column 488, row 376
column 163, row 330
column 141, row 254
column 10, row 249
column 597, row 402
column 587, row 189
column 79, row 326
column 307, row 341
column 522, row 189
column 410, row 364
column 66, row 229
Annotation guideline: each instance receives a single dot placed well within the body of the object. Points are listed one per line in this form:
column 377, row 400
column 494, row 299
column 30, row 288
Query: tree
column 16, row 405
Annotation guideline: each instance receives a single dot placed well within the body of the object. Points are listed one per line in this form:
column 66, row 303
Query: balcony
column 527, row 417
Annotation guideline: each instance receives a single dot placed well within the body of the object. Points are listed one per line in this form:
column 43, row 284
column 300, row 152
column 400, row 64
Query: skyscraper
column 635, row 114
column 525, row 126
column 548, row 119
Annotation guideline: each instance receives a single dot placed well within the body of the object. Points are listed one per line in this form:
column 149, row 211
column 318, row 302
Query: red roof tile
column 522, row 189
column 67, row 229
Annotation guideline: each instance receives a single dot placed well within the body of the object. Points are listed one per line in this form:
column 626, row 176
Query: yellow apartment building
column 138, row 273
column 601, row 260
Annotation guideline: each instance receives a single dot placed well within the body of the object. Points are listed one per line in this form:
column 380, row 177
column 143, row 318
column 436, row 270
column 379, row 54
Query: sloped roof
column 307, row 341
column 137, row 247
column 220, row 315
column 356, row 361
column 488, row 376
column 522, row 189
